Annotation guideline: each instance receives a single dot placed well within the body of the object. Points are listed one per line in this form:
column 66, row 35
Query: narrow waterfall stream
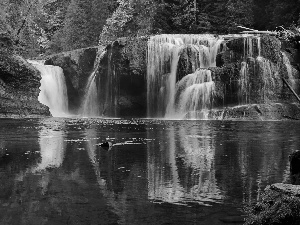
column 53, row 89
column 92, row 102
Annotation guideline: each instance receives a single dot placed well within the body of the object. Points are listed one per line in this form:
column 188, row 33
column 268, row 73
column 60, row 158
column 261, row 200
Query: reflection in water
column 91, row 147
column 53, row 149
column 116, row 201
column 55, row 172
column 181, row 167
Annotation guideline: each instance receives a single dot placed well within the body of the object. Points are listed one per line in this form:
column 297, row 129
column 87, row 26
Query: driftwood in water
column 291, row 89
column 260, row 32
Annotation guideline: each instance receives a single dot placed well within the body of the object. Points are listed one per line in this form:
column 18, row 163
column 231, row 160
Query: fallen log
column 291, row 89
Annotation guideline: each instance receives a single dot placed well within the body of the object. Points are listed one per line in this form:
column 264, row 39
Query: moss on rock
column 279, row 204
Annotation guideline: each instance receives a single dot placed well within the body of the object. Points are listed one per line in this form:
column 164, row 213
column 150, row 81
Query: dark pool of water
column 53, row 171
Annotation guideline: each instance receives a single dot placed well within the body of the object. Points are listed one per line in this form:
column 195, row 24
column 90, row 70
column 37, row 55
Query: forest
column 43, row 27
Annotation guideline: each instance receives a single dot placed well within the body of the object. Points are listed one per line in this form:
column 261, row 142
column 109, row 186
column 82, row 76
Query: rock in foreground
column 279, row 204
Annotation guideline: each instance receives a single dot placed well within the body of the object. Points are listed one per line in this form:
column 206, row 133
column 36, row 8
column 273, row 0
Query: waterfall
column 53, row 89
column 267, row 72
column 91, row 104
column 171, row 94
column 244, row 83
column 289, row 69
column 261, row 80
column 193, row 93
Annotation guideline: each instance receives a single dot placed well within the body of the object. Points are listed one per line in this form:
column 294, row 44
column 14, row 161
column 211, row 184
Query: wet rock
column 77, row 66
column 188, row 61
column 295, row 167
column 273, row 111
column 6, row 41
column 271, row 48
column 120, row 77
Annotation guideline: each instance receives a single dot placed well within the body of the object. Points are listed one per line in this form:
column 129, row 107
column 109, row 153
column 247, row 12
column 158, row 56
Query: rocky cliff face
column 77, row 66
column 120, row 78
column 248, row 77
column 19, row 87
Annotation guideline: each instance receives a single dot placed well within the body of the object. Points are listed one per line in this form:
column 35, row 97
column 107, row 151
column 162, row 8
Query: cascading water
column 268, row 72
column 289, row 69
column 53, row 89
column 261, row 80
column 91, row 104
column 194, row 92
column 101, row 98
column 252, row 48
column 168, row 94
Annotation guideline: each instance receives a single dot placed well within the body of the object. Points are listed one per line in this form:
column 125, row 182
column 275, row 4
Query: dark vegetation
column 275, row 207
column 47, row 26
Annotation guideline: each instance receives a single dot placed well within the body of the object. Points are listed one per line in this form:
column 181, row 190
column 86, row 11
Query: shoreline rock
column 279, row 204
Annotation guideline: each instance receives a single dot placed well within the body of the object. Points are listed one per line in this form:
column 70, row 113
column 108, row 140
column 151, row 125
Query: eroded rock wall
column 77, row 66
column 120, row 77
column 19, row 87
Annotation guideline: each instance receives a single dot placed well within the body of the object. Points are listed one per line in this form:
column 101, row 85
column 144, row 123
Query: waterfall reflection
column 181, row 166
column 52, row 150
column 91, row 147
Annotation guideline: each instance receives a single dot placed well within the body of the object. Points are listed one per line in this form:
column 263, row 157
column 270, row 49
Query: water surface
column 53, row 171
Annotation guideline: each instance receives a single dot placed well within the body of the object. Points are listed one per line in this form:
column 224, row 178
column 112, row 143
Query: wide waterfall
column 178, row 79
column 53, row 89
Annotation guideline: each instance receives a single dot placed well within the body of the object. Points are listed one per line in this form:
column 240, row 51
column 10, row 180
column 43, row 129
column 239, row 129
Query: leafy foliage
column 50, row 26
column 239, row 12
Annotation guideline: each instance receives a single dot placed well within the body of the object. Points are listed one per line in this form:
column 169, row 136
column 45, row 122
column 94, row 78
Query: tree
column 116, row 25
column 239, row 12
column 283, row 12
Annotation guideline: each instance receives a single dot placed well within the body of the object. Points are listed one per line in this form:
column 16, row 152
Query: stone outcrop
column 263, row 75
column 122, row 84
column 120, row 77
column 19, row 87
column 77, row 66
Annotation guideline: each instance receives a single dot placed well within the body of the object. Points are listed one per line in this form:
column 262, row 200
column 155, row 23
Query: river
column 53, row 170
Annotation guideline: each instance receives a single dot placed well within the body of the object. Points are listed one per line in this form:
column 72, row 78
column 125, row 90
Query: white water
column 166, row 95
column 91, row 103
column 193, row 93
column 265, row 71
column 268, row 71
column 244, row 84
column 289, row 69
column 53, row 89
